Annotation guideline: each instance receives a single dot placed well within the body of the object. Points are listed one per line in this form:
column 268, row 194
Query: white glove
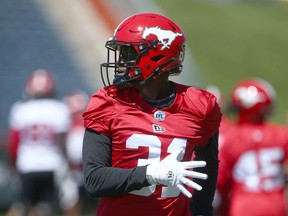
column 171, row 172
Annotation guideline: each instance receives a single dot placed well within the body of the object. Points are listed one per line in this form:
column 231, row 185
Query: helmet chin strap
column 164, row 102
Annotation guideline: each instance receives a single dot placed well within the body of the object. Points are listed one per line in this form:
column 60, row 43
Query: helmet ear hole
column 157, row 58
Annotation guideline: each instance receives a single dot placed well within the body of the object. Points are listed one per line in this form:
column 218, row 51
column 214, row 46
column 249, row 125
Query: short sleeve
column 213, row 116
column 99, row 113
column 12, row 118
column 63, row 120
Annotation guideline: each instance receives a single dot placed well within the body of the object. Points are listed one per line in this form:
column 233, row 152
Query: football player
column 38, row 127
column 142, row 128
column 254, row 155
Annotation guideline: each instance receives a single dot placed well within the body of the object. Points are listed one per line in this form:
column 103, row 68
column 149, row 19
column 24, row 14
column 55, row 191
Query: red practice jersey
column 141, row 134
column 250, row 172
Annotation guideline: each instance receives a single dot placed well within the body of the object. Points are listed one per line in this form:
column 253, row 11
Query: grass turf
column 232, row 40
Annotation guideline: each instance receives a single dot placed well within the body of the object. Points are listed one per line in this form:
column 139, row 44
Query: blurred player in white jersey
column 38, row 127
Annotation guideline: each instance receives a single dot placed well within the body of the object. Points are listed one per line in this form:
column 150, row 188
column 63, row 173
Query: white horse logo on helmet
column 165, row 37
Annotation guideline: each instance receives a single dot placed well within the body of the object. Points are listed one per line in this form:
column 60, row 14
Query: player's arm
column 103, row 180
column 202, row 200
column 100, row 178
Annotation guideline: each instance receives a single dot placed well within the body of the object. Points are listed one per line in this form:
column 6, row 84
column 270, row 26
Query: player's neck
column 157, row 88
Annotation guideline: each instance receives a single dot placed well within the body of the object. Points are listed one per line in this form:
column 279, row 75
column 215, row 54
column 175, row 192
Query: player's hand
column 171, row 172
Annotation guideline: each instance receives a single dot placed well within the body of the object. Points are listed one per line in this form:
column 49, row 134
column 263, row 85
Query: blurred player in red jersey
column 77, row 102
column 142, row 129
column 38, row 127
column 253, row 155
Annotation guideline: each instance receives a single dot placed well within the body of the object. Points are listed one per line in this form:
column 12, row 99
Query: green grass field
column 236, row 40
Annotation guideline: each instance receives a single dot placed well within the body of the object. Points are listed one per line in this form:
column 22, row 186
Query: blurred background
column 227, row 40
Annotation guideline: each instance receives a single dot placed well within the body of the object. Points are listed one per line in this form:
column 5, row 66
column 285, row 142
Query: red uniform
column 251, row 161
column 141, row 134
column 225, row 126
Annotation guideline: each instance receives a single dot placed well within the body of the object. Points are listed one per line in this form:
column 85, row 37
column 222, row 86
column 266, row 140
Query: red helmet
column 254, row 99
column 144, row 45
column 40, row 84
column 77, row 102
